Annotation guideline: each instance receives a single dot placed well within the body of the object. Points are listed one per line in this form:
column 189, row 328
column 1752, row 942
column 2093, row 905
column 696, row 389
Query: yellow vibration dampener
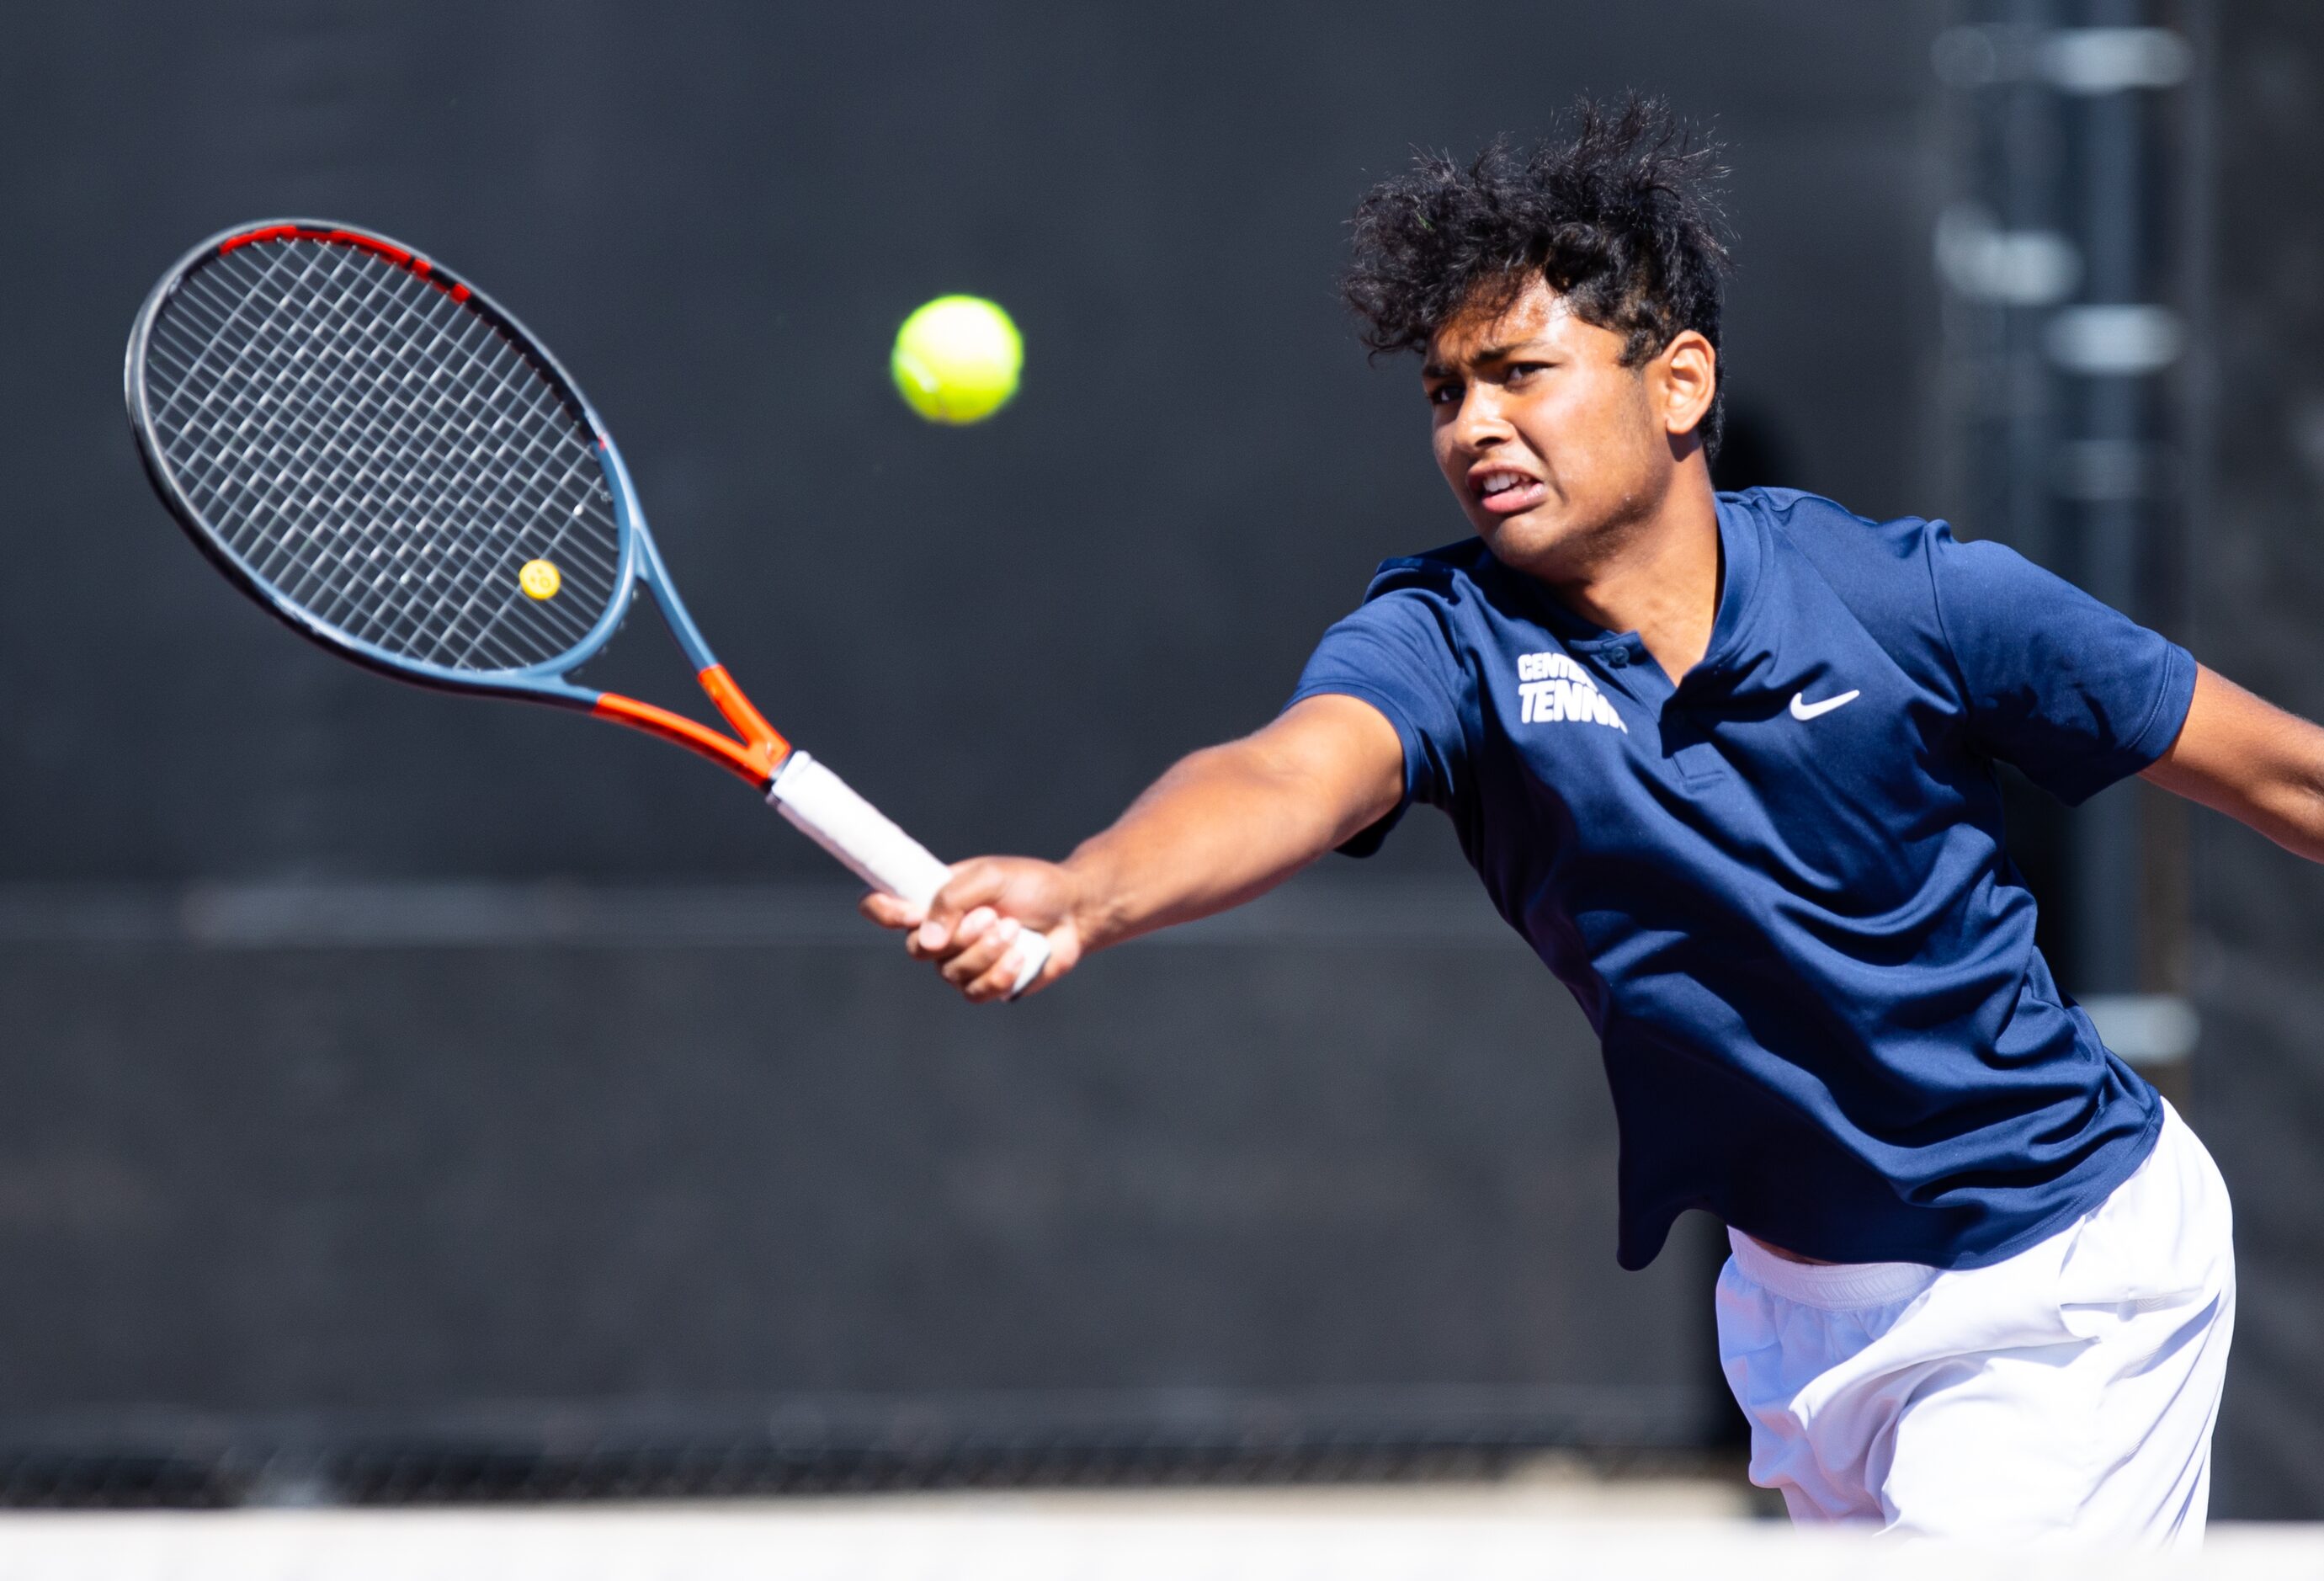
column 539, row 580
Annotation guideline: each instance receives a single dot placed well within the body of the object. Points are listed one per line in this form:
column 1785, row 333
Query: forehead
column 1488, row 328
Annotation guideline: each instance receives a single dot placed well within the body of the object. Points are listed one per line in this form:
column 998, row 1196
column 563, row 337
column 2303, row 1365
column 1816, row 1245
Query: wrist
column 1093, row 905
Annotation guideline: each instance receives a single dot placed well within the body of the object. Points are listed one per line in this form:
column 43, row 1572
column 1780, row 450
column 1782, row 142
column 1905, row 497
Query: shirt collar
column 1742, row 537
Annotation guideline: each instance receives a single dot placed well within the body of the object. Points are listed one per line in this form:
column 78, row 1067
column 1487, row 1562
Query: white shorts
column 2067, row 1392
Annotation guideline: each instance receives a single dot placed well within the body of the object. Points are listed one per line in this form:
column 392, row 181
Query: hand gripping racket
column 387, row 459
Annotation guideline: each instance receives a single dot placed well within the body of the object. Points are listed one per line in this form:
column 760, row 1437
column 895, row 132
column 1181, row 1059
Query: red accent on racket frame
column 286, row 233
column 753, row 758
column 736, row 758
column 749, row 723
column 422, row 267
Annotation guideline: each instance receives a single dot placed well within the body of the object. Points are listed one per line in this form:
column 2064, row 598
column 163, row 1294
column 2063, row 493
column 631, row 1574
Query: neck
column 1658, row 576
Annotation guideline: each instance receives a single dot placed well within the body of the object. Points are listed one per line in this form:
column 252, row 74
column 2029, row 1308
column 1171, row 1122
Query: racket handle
column 822, row 807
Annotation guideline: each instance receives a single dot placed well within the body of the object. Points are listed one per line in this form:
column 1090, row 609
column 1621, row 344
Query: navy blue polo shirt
column 1778, row 888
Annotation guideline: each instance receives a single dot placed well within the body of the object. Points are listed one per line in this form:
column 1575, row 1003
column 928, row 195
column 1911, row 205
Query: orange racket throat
column 754, row 758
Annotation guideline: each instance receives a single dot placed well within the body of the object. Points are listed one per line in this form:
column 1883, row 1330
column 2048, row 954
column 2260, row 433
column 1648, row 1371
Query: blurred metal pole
column 2031, row 201
column 2051, row 251
column 2106, row 467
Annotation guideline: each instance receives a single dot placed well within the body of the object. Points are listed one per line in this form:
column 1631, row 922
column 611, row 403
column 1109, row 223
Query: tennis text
column 1551, row 689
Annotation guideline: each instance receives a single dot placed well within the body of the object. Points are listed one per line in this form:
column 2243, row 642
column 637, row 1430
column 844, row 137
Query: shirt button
column 1617, row 658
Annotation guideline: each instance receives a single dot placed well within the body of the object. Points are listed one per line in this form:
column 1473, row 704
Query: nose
column 1478, row 423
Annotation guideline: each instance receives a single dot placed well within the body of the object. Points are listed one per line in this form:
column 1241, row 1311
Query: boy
column 1727, row 762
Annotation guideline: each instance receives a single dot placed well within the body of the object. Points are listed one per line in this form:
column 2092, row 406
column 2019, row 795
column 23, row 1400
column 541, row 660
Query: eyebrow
column 1438, row 370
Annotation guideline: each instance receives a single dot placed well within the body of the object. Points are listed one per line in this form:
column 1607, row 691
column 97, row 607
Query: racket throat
column 761, row 737
column 754, row 758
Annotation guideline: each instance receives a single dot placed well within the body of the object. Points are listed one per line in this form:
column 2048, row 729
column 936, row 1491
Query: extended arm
column 2251, row 761
column 1225, row 824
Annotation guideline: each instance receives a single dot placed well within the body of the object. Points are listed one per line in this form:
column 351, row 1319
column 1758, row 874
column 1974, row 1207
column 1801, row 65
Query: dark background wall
column 375, row 1063
column 2258, row 580
column 717, row 215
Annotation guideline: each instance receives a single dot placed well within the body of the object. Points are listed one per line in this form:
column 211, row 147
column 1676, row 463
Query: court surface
column 1526, row 1527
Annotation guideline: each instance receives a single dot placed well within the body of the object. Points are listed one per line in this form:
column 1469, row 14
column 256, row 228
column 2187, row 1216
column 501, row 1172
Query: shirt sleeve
column 2075, row 694
column 1393, row 653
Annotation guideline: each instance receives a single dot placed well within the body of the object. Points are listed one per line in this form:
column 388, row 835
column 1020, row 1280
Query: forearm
column 2296, row 824
column 1222, row 826
column 2287, row 806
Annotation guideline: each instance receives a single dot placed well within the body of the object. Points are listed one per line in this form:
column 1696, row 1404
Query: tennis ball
column 539, row 580
column 956, row 359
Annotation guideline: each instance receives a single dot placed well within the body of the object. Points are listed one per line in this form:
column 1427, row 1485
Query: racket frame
column 760, row 750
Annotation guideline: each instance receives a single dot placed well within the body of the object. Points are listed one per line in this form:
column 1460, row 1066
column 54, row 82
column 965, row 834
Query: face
column 1553, row 446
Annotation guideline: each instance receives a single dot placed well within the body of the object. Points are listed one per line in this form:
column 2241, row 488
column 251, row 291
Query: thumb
column 973, row 884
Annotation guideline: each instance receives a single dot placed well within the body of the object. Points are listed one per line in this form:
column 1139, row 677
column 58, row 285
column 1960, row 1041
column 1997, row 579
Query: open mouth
column 1505, row 492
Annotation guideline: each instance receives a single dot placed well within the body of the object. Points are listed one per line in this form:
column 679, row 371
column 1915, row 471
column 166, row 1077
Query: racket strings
column 330, row 577
column 380, row 455
column 339, row 609
column 274, row 564
column 331, row 596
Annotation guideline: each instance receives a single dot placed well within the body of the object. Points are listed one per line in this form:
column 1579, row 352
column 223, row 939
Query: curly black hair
column 1621, row 218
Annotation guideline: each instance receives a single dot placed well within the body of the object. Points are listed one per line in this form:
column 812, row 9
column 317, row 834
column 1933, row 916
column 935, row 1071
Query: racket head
column 376, row 451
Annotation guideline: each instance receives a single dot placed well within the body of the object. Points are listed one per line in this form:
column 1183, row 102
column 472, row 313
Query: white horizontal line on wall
column 476, row 914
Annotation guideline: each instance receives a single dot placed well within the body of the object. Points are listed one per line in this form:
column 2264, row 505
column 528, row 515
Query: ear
column 1684, row 376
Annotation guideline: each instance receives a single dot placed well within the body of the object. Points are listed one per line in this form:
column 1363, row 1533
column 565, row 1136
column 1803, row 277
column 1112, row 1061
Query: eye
column 1520, row 372
column 1443, row 394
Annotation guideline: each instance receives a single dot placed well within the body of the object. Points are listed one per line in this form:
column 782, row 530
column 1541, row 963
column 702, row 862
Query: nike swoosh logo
column 1803, row 710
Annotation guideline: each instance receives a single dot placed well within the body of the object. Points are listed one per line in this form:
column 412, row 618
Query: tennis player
column 1728, row 763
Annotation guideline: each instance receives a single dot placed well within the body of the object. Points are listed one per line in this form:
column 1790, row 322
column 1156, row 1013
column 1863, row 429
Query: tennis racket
column 387, row 459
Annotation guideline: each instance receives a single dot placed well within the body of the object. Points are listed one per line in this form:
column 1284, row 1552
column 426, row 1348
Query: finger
column 981, row 938
column 889, row 911
column 999, row 980
column 976, row 959
column 971, row 884
column 967, row 931
column 939, row 940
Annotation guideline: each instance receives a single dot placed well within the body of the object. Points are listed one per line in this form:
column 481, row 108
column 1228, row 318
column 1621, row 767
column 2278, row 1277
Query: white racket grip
column 822, row 807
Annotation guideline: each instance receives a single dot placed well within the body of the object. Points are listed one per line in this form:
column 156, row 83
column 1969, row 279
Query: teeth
column 1495, row 482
